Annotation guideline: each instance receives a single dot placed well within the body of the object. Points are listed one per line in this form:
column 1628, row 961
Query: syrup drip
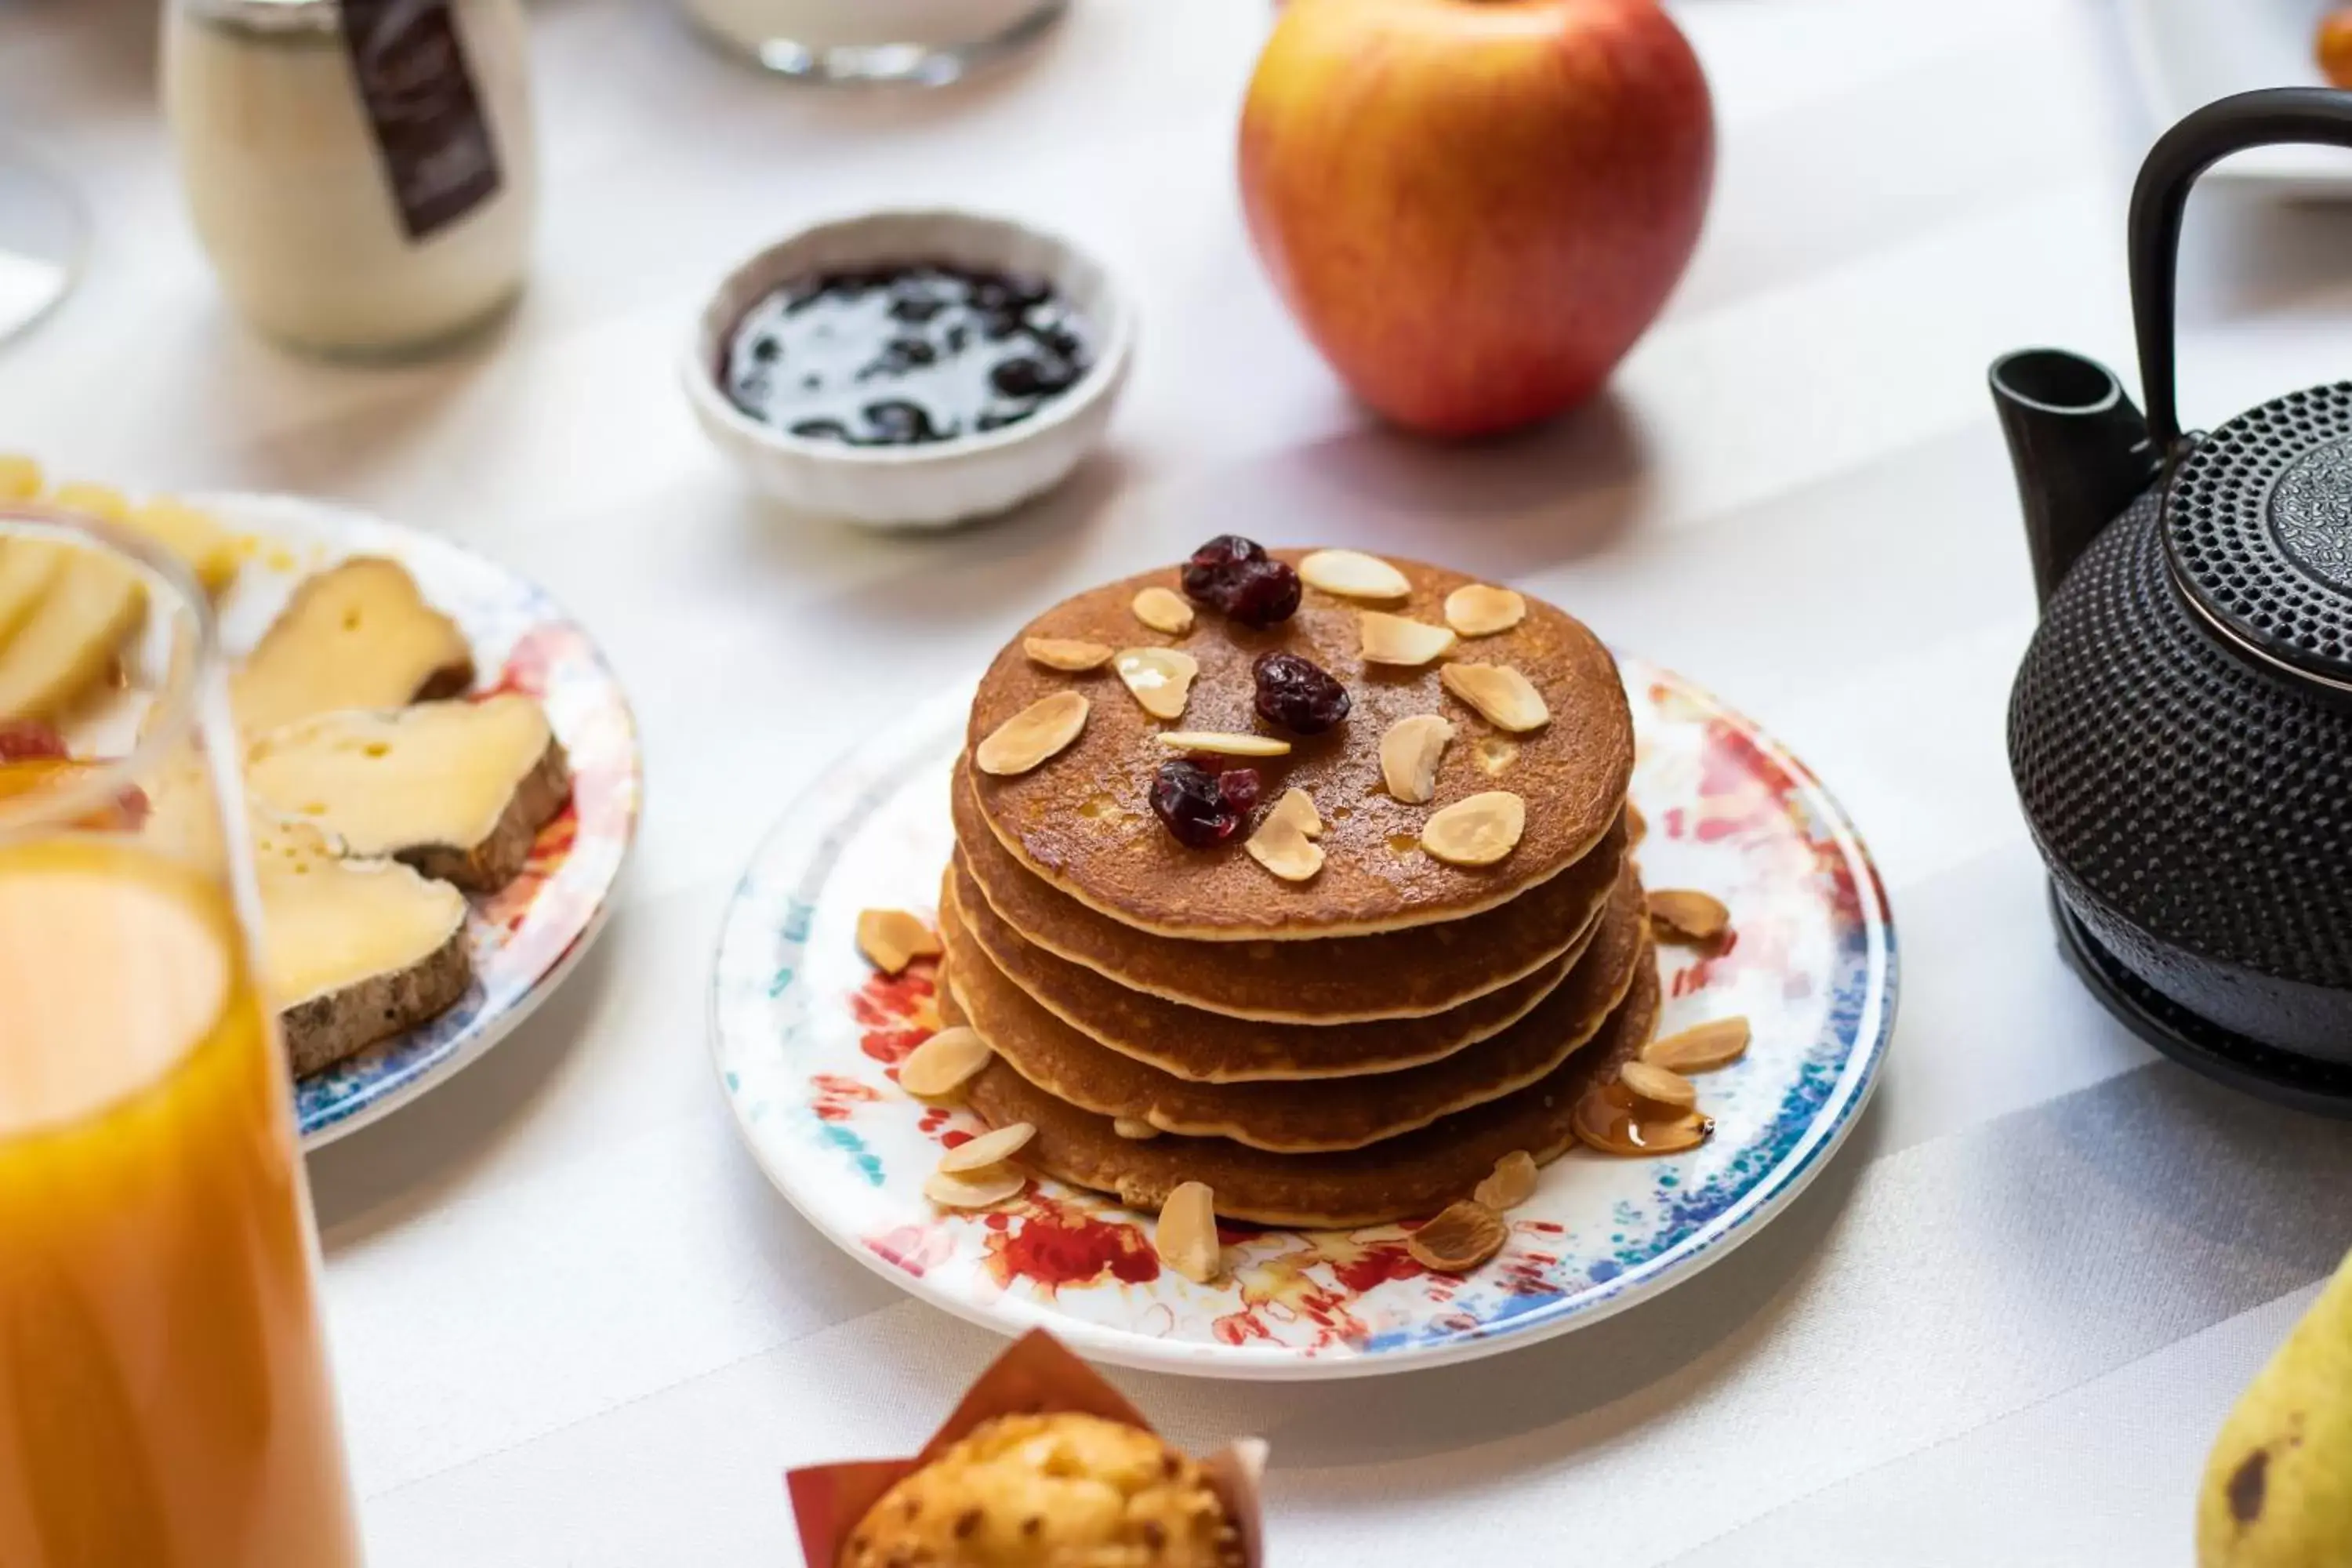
column 1614, row 1120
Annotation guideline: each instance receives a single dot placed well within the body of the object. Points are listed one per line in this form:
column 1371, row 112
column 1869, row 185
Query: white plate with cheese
column 476, row 839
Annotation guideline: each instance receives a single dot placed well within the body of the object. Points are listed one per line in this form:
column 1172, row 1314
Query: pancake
column 1318, row 1115
column 1411, row 1177
column 1207, row 1048
column 1083, row 822
column 1387, row 974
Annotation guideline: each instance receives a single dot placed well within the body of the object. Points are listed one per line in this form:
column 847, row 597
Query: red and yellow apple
column 1475, row 207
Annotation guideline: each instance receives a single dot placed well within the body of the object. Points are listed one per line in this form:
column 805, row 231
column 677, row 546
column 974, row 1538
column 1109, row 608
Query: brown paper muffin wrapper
column 1035, row 1376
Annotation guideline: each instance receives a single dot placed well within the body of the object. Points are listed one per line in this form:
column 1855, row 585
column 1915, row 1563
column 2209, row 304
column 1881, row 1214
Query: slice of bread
column 66, row 645
column 356, row 635
column 353, row 952
column 458, row 790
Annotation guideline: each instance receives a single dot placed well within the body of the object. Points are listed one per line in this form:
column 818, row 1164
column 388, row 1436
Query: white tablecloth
column 572, row 1323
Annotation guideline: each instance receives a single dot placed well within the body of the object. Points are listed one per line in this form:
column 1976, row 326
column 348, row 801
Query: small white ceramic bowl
column 937, row 482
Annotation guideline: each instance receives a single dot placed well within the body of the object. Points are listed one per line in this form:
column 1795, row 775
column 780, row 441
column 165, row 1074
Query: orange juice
column 164, row 1392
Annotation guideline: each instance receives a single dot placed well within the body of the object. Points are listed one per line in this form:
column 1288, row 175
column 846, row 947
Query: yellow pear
column 2278, row 1490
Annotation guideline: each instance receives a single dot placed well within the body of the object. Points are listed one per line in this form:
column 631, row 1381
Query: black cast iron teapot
column 2181, row 730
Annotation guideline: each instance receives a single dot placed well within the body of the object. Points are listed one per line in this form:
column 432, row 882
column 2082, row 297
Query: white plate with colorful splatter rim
column 528, row 936
column 807, row 1039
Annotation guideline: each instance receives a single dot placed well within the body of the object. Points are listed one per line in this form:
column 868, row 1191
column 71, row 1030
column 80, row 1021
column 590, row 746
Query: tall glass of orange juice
column 164, row 1399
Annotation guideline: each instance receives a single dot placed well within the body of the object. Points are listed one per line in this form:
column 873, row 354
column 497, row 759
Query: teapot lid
column 2258, row 528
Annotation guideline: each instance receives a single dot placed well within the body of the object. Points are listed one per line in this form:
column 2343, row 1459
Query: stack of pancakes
column 1357, row 1047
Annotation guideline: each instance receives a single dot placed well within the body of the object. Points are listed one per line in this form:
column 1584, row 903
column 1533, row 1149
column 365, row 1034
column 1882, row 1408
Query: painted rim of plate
column 341, row 527
column 884, row 757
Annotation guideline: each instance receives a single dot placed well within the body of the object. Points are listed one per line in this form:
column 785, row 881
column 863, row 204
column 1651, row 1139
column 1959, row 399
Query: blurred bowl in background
column 2187, row 53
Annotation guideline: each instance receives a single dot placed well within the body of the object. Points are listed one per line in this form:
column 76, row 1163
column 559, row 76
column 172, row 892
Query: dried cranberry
column 1235, row 574
column 1239, row 788
column 1265, row 593
column 1298, row 694
column 1209, row 576
column 1186, row 796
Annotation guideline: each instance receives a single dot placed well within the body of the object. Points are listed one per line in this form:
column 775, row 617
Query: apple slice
column 357, row 636
column 27, row 567
column 66, row 646
column 458, row 790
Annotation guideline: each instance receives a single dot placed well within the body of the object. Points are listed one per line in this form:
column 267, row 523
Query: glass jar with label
column 362, row 173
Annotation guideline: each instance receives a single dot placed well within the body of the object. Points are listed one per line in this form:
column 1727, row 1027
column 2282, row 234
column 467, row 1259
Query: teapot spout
column 2080, row 448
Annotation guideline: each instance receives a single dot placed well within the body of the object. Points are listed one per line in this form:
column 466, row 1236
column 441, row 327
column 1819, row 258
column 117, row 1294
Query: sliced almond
column 1502, row 696
column 1285, row 842
column 892, row 939
column 984, row 1191
column 1657, row 1086
column 1511, row 1182
column 1410, row 754
column 1352, row 574
column 1459, row 1239
column 1479, row 610
column 1134, row 1128
column 1036, row 733
column 1297, row 809
column 1478, row 831
column 1066, row 653
column 1400, row 641
column 1163, row 610
column 1223, row 745
column 1159, row 677
column 941, row 1065
column 1686, row 915
column 1186, row 1236
column 1717, row 1043
column 987, row 1148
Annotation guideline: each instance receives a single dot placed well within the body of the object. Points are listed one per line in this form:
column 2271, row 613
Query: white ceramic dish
column 2189, row 52
column 936, row 483
column 807, row 1038
column 526, row 938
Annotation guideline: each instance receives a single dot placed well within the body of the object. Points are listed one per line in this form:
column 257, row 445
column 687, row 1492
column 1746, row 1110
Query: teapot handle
column 2270, row 116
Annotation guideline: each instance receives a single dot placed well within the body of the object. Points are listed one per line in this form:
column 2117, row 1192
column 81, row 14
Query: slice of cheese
column 353, row 952
column 458, row 790
column 27, row 567
column 210, row 552
column 67, row 644
column 357, row 636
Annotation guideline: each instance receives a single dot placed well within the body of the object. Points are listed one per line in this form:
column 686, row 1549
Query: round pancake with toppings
column 1299, row 1116
column 1387, row 974
column 1082, row 819
column 1209, row 1048
column 1411, row 1177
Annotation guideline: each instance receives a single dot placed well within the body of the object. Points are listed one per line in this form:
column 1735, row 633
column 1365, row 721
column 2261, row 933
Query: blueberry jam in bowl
column 910, row 369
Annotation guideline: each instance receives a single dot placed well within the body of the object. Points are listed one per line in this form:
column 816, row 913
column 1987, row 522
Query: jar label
column 431, row 133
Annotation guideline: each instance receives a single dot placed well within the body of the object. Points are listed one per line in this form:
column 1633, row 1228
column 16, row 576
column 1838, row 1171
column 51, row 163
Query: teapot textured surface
column 2181, row 730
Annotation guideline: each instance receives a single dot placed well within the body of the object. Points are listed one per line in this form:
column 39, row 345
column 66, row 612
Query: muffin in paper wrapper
column 1035, row 1376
